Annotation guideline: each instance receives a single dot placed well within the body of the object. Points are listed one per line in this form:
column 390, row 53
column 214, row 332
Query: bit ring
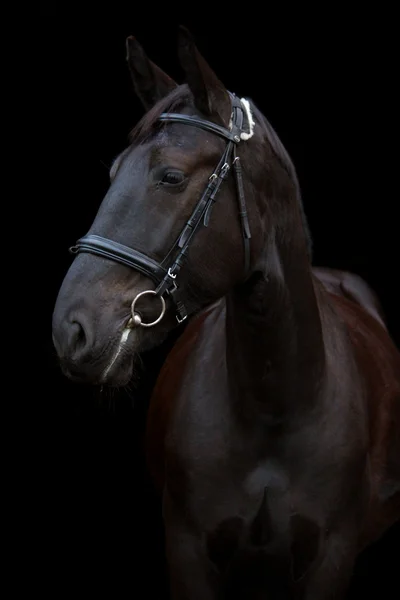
column 136, row 320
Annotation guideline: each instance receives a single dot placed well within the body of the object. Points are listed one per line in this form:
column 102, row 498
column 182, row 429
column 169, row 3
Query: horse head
column 172, row 234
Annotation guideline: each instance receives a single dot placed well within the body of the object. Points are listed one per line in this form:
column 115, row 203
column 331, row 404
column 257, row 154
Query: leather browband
column 207, row 125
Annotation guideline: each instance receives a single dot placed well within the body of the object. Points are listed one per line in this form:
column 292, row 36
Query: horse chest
column 213, row 470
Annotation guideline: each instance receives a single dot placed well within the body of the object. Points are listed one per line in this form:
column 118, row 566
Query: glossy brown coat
column 273, row 431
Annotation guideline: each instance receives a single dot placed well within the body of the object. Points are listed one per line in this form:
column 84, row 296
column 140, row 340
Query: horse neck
column 275, row 351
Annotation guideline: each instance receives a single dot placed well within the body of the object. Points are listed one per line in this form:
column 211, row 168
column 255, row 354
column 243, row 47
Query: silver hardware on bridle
column 136, row 319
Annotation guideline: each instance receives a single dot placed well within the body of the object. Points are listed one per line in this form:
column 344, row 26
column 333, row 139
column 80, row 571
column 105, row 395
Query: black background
column 325, row 80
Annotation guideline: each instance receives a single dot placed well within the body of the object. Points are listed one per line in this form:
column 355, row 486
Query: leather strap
column 243, row 212
column 206, row 125
column 95, row 244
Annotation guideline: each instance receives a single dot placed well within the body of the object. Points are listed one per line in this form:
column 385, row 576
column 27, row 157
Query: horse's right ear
column 150, row 82
column 210, row 95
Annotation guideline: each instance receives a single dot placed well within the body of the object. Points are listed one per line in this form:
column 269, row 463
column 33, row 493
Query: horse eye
column 173, row 178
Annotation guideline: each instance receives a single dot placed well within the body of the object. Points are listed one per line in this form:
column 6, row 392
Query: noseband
column 165, row 277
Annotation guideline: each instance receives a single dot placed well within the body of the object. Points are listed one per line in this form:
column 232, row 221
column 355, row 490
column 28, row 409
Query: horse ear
column 150, row 82
column 210, row 95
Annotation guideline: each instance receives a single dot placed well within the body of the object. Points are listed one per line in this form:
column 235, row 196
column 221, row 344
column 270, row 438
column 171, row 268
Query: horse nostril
column 72, row 335
column 77, row 335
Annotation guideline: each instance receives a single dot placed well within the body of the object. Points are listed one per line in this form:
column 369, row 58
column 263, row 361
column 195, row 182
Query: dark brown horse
column 274, row 426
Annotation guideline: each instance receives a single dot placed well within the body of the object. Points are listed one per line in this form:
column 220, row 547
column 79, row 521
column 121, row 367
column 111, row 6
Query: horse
column 273, row 429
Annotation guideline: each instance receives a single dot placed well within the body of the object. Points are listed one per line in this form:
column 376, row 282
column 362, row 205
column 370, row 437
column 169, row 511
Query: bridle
column 164, row 276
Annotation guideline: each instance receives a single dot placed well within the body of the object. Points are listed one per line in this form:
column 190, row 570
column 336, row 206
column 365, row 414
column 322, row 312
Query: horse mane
column 286, row 162
column 180, row 97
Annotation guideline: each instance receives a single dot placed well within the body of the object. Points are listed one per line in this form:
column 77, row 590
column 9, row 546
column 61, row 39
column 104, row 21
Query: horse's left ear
column 150, row 82
column 210, row 95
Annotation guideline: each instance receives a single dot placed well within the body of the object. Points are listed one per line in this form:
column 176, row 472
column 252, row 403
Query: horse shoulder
column 353, row 287
column 378, row 362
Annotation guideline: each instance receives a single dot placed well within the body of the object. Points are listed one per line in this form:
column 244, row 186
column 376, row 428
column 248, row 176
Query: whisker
column 108, row 167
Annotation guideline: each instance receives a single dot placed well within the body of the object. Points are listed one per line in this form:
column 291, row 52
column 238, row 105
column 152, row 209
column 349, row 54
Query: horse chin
column 117, row 370
column 119, row 364
column 124, row 366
